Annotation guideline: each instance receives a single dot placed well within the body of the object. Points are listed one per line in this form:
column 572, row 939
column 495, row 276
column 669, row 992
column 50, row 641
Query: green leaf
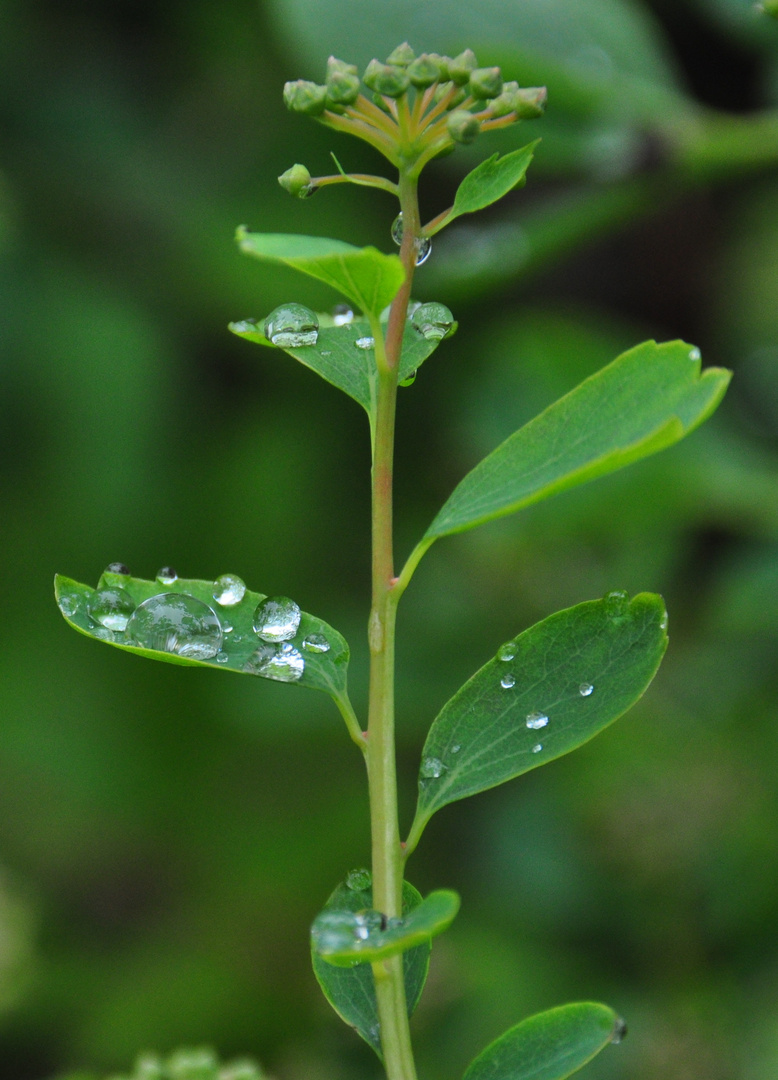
column 351, row 991
column 338, row 360
column 646, row 400
column 550, row 1045
column 551, row 690
column 490, row 181
column 365, row 275
column 321, row 671
column 344, row 938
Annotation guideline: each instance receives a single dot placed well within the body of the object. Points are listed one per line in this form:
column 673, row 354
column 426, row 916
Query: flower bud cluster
column 198, row 1064
column 450, row 100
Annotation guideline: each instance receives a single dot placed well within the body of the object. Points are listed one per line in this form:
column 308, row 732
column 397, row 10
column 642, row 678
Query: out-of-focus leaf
column 647, row 399
column 364, row 275
column 233, row 644
column 546, row 693
column 351, row 991
column 551, row 1045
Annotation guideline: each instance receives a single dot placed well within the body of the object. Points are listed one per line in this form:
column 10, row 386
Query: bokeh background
column 167, row 835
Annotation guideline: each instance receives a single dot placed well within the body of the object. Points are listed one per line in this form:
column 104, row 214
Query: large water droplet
column 228, row 590
column 359, row 880
column 69, row 604
column 277, row 618
column 423, row 243
column 619, row 1031
column 433, row 321
column 111, row 608
column 176, row 623
column 507, row 651
column 291, row 326
column 507, row 682
column 585, row 689
column 409, row 380
column 341, row 931
column 536, row 720
column 432, row 768
column 342, row 315
column 365, row 343
column 537, row 748
column 316, row 643
column 167, row 576
column 117, row 568
column 283, row 663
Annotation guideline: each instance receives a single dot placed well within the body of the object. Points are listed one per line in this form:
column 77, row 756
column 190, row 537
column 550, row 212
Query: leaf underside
column 551, row 1045
column 493, row 728
column 645, row 400
column 351, row 991
column 337, row 358
column 323, row 671
column 365, row 276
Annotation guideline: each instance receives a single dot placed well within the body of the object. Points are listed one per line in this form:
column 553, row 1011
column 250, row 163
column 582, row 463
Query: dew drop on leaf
column 536, row 720
column 365, row 343
column 167, row 576
column 359, row 880
column 69, row 604
column 619, row 1031
column 277, row 618
column 432, row 768
column 228, row 590
column 695, row 355
column 507, row 651
column 316, row 643
column 176, row 623
column 292, row 326
column 616, row 603
column 456, row 748
column 409, row 380
column 117, row 568
column 537, row 748
column 111, row 608
column 433, row 321
column 585, row 689
column 222, row 658
column 342, row 315
column 507, row 682
column 282, row 663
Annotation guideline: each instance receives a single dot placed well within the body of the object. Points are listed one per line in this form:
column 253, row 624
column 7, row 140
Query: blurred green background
column 167, row 835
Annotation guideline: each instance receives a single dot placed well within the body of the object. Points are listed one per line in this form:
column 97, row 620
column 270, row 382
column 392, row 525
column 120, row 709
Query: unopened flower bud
column 402, row 55
column 506, row 102
column 460, row 67
column 485, row 82
column 297, row 181
column 530, row 102
column 342, row 88
column 443, row 89
column 305, row 97
column 386, row 79
column 425, row 70
column 463, row 127
column 339, row 67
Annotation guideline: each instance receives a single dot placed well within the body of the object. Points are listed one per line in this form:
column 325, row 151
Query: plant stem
column 382, row 776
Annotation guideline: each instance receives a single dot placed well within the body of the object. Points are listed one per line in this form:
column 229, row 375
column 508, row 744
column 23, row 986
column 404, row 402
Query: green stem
column 381, row 766
column 352, row 723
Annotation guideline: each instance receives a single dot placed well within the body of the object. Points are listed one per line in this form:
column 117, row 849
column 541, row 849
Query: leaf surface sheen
column 327, row 671
column 551, row 1045
column 491, row 180
column 351, row 991
column 645, row 400
column 365, row 276
column 569, row 677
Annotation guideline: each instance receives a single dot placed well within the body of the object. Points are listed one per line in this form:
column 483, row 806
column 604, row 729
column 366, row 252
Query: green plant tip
column 297, row 181
column 460, row 67
column 485, row 82
column 463, row 127
column 387, row 79
column 425, row 70
column 339, row 67
column 402, row 56
column 305, row 97
column 530, row 103
column 342, row 89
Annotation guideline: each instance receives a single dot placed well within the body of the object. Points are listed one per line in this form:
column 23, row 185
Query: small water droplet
column 326, row 352
column 619, row 1031
column 537, row 748
column 69, row 604
column 342, row 315
column 433, row 321
column 277, row 618
column 167, row 576
column 585, row 689
column 367, row 923
column 292, row 326
column 432, row 768
column 228, row 590
column 695, row 354
column 507, row 651
column 365, row 343
column 423, row 243
column 455, row 749
column 316, row 643
column 359, row 880
column 104, row 634
column 117, row 568
column 507, row 682
column 283, row 663
column 663, row 622
column 222, row 658
column 111, row 608
column 536, row 720
column 176, row 623
column 409, row 380
column 227, row 627
column 244, row 326
column 616, row 603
